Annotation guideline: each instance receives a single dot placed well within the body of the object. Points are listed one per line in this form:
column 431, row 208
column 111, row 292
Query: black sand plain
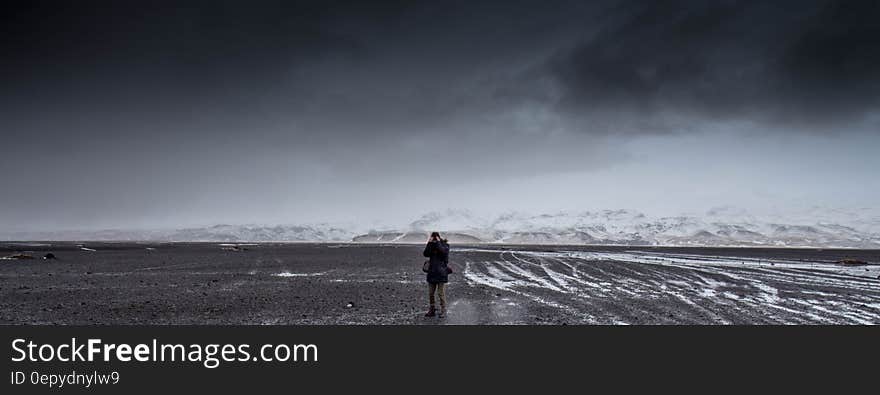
column 297, row 283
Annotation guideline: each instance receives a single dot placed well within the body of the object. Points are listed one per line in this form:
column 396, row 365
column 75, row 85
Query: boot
column 442, row 312
column 431, row 312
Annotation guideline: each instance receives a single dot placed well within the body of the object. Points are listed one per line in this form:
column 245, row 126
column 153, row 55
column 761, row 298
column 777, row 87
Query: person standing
column 437, row 250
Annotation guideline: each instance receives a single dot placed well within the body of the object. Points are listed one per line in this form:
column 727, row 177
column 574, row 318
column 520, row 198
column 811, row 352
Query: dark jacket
column 438, row 252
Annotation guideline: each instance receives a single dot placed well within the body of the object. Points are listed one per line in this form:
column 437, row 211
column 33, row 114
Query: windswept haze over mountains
column 718, row 227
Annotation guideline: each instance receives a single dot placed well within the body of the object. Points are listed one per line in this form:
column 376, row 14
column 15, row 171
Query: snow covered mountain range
column 718, row 227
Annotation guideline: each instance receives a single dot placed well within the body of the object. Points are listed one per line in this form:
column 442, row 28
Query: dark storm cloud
column 356, row 68
column 787, row 63
column 197, row 39
column 163, row 57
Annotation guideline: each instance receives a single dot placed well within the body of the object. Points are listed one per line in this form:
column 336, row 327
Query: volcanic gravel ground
column 202, row 283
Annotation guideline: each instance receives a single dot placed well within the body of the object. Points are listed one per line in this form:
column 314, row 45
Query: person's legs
column 431, row 289
column 441, row 291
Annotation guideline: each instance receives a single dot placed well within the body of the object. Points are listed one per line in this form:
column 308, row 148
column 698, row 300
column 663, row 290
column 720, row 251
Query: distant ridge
column 412, row 237
column 717, row 227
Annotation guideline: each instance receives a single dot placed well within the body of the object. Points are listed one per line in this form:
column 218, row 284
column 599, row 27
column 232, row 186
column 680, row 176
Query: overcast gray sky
column 189, row 113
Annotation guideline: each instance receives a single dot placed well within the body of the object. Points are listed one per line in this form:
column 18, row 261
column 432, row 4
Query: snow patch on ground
column 290, row 274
